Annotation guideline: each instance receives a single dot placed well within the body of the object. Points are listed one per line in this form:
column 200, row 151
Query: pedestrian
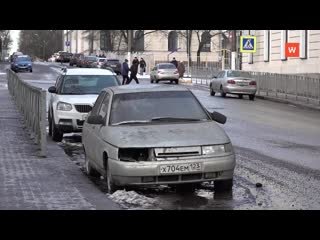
column 181, row 69
column 134, row 71
column 174, row 62
column 104, row 56
column 142, row 66
column 125, row 72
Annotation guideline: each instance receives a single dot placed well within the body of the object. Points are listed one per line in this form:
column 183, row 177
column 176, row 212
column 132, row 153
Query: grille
column 191, row 177
column 83, row 108
column 177, row 152
column 168, row 178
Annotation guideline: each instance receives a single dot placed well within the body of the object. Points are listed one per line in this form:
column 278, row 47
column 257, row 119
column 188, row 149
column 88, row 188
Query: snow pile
column 132, row 199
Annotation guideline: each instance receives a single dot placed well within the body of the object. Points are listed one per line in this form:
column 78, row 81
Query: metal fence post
column 43, row 132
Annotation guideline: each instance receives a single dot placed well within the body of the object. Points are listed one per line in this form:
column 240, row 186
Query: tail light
column 253, row 83
column 176, row 72
column 231, row 82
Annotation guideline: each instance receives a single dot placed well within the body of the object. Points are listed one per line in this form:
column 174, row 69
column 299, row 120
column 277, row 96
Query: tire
column 56, row 134
column 212, row 93
column 31, row 70
column 89, row 170
column 251, row 97
column 50, row 125
column 157, row 81
column 177, row 81
column 240, row 96
column 223, row 94
column 112, row 187
column 186, row 188
column 151, row 80
column 223, row 185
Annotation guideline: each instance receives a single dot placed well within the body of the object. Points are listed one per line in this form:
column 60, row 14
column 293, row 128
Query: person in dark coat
column 142, row 66
column 135, row 61
column 134, row 71
column 174, row 62
column 125, row 72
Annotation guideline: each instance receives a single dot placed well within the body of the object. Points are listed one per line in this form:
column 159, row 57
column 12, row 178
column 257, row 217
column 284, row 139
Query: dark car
column 114, row 64
column 22, row 63
column 89, row 62
column 75, row 59
column 64, row 56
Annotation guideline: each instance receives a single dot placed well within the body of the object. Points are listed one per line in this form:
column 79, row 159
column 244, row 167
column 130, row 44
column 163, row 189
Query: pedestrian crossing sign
column 248, row 44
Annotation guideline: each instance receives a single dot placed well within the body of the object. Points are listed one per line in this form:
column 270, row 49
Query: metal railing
column 287, row 86
column 31, row 101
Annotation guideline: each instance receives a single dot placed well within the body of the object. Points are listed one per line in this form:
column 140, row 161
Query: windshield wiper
column 165, row 119
column 130, row 122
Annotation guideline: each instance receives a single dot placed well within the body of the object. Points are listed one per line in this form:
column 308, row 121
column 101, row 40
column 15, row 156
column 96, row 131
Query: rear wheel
column 251, row 97
column 240, row 96
column 223, row 94
column 223, row 185
column 177, row 81
column 212, row 93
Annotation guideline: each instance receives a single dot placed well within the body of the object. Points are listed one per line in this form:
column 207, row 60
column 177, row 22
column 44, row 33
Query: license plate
column 84, row 116
column 113, row 65
column 180, row 168
column 243, row 84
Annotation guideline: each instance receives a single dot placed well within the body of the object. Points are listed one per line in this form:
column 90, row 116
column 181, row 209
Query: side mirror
column 218, row 117
column 95, row 120
column 52, row 89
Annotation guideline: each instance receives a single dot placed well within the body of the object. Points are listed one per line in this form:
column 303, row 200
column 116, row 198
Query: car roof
column 136, row 88
column 88, row 71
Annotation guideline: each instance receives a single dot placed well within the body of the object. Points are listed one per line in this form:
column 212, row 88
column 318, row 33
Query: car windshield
column 94, row 59
column 153, row 106
column 167, row 66
column 87, row 84
column 22, row 59
column 238, row 74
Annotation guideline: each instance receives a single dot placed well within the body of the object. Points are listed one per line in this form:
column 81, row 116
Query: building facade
column 270, row 55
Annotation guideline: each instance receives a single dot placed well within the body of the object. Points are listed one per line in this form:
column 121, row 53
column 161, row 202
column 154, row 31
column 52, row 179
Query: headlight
column 64, row 106
column 217, row 149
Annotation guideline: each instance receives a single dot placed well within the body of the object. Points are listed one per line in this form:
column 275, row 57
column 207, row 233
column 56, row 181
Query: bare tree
column 5, row 41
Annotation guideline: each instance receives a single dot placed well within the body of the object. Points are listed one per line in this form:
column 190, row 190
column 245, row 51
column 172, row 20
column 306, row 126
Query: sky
column 15, row 38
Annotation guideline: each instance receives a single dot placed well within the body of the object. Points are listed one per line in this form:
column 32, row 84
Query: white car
column 73, row 96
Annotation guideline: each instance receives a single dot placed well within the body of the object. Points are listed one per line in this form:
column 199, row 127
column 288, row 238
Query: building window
column 139, row 41
column 105, row 41
column 206, row 41
column 284, row 40
column 173, row 41
column 303, row 44
column 266, row 54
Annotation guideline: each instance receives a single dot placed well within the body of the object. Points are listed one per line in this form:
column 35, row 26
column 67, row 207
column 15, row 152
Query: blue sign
column 248, row 44
column 67, row 43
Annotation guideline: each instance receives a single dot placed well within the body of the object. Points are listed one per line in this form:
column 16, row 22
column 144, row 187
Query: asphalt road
column 277, row 145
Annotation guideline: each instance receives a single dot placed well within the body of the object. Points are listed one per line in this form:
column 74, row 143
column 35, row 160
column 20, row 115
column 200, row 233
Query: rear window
column 167, row 66
column 238, row 74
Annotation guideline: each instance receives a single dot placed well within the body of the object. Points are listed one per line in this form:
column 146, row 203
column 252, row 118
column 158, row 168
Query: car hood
column 165, row 135
column 78, row 99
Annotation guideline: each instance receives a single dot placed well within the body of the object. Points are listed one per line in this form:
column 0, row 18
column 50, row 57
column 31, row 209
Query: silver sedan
column 132, row 138
column 164, row 72
column 233, row 82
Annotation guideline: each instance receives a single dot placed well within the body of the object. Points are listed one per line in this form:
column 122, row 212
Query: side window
column 59, row 83
column 104, row 106
column 97, row 104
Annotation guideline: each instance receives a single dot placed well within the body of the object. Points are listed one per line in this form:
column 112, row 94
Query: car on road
column 73, row 96
column 114, row 64
column 233, row 82
column 63, row 56
column 88, row 62
column 22, row 63
column 15, row 54
column 164, row 72
column 75, row 59
column 100, row 62
column 132, row 138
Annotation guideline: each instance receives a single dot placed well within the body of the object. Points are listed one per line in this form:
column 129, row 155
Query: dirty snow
column 133, row 200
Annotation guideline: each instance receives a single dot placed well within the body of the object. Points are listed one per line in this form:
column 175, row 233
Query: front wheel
column 212, row 93
column 223, row 94
column 223, row 185
column 31, row 70
column 177, row 81
column 251, row 97
column 56, row 134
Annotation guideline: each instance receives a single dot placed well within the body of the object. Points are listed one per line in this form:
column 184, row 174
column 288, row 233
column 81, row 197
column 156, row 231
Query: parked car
column 132, row 138
column 22, row 63
column 73, row 96
column 88, row 62
column 63, row 56
column 234, row 82
column 15, row 54
column 75, row 59
column 114, row 64
column 164, row 72
column 100, row 62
